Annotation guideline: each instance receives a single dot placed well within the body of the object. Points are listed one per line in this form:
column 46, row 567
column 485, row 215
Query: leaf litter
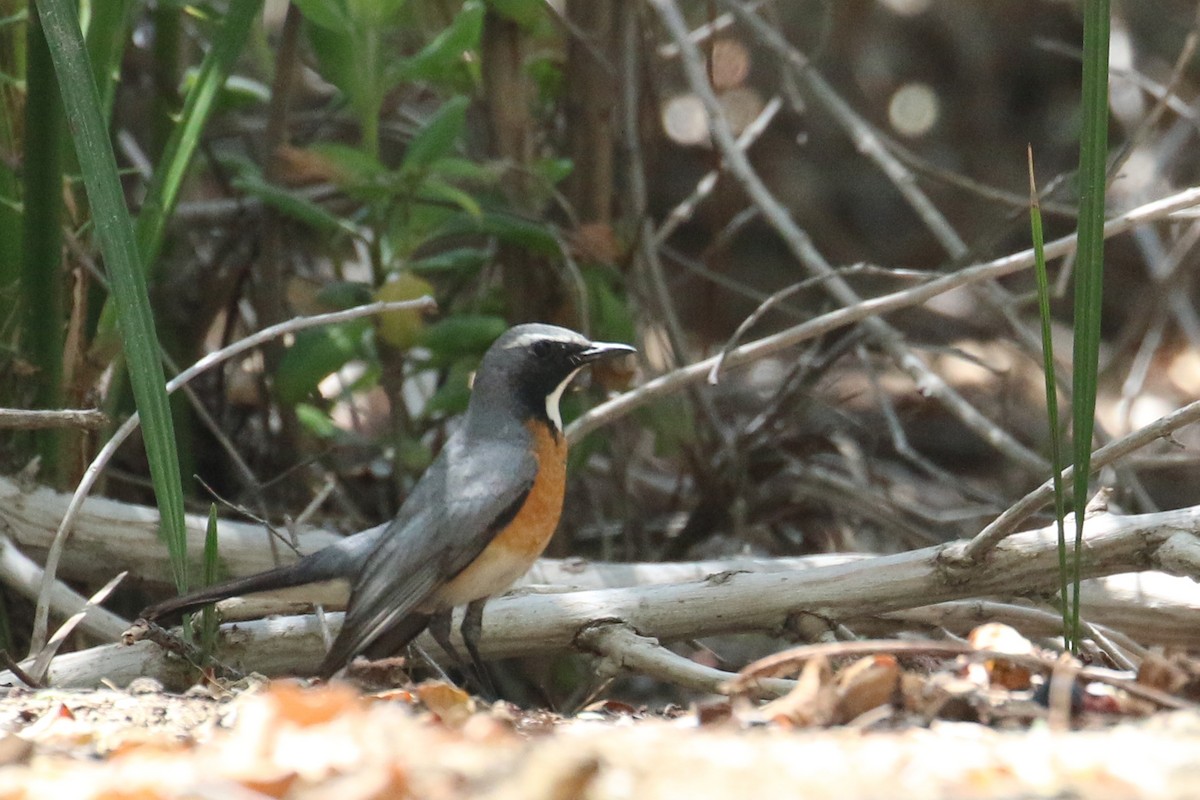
column 902, row 723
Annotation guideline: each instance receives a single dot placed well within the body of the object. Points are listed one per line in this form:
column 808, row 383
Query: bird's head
column 530, row 366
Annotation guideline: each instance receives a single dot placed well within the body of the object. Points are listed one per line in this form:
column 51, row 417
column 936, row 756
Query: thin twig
column 1014, row 200
column 872, row 143
column 686, row 207
column 1165, row 96
column 865, row 137
column 14, row 667
column 928, row 383
column 24, row 576
column 144, row 630
column 789, row 660
column 289, row 541
column 21, row 419
column 666, row 384
column 957, row 612
column 909, row 453
column 1158, row 91
column 625, row 648
column 41, row 662
column 651, row 270
column 1006, row 524
column 773, row 300
column 245, row 473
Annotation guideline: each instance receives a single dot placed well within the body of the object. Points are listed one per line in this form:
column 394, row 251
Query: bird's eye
column 541, row 348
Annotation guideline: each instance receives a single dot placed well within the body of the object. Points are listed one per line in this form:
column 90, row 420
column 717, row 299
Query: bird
column 474, row 523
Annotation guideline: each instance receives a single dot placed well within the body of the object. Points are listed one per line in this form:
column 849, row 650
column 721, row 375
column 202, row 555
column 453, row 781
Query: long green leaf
column 1048, row 373
column 447, row 48
column 209, row 623
column 333, row 15
column 114, row 230
column 1089, row 270
column 292, row 204
column 106, row 36
column 12, row 61
column 438, row 136
column 163, row 193
column 41, row 274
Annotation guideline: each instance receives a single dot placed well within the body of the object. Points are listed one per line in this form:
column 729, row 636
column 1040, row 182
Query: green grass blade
column 106, row 35
column 165, row 75
column 114, row 230
column 12, row 96
column 163, row 192
column 1048, row 372
column 40, row 294
column 1089, row 269
column 208, row 617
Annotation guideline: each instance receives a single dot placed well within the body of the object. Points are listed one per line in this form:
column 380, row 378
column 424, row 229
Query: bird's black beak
column 598, row 350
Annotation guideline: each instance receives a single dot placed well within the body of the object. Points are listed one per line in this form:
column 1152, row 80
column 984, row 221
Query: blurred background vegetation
column 526, row 160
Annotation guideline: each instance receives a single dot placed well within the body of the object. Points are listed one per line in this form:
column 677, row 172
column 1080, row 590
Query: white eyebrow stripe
column 526, row 339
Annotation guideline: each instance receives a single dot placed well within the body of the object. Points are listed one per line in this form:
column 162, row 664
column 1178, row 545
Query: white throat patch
column 552, row 399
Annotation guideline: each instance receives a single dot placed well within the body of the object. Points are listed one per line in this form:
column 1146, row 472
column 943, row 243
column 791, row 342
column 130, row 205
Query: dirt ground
column 286, row 740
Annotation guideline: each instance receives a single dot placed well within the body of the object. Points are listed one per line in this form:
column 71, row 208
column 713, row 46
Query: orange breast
column 514, row 549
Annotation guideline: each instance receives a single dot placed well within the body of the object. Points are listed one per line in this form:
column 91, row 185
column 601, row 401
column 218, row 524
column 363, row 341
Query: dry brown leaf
column 942, row 695
column 810, row 702
column 451, row 704
column 402, row 695
column 1172, row 671
column 1000, row 673
column 1158, row 672
column 866, row 684
column 611, row 707
column 713, row 712
column 304, row 706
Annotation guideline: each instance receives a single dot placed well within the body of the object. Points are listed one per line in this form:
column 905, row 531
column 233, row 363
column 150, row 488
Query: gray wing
column 451, row 516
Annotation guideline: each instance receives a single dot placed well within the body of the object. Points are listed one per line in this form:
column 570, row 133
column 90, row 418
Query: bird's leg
column 472, row 670
column 439, row 629
column 471, row 630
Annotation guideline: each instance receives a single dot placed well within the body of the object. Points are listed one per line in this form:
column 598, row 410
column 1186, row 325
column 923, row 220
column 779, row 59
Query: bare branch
column 728, row 602
column 90, row 419
column 1014, row 515
column 818, row 326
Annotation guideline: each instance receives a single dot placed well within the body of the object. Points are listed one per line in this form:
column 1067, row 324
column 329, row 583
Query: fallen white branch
column 620, row 647
column 728, row 602
column 1153, row 607
column 110, row 537
column 1158, row 609
column 20, row 573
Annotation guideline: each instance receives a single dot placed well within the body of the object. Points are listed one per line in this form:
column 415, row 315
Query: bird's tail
column 306, row 570
column 396, row 638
